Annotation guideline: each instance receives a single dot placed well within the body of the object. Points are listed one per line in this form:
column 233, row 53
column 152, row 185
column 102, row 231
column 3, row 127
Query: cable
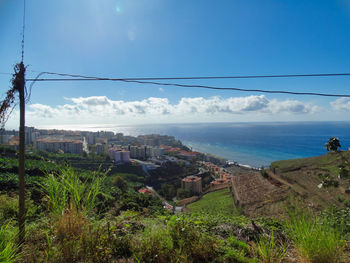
column 239, row 89
column 78, row 78
column 31, row 86
column 192, row 78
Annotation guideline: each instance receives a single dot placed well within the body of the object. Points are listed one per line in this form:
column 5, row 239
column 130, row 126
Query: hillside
column 320, row 181
column 78, row 215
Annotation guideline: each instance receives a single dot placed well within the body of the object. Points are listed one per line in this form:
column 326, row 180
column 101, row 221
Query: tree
column 120, row 183
column 333, row 144
column 183, row 193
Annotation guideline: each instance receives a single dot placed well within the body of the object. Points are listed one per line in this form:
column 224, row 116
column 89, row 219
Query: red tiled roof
column 191, row 179
column 145, row 191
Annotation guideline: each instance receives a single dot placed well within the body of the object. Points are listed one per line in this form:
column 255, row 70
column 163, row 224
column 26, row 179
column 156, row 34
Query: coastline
column 255, row 144
column 228, row 161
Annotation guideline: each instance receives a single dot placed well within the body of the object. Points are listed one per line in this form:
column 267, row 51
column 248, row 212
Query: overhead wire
column 141, row 81
column 83, row 77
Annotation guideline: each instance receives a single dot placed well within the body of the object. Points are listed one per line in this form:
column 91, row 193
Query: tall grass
column 270, row 251
column 316, row 240
column 67, row 188
column 8, row 247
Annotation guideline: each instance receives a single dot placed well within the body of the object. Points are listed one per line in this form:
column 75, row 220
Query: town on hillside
column 175, row 171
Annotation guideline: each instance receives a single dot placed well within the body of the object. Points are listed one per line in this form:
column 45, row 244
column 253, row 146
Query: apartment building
column 55, row 145
column 192, row 183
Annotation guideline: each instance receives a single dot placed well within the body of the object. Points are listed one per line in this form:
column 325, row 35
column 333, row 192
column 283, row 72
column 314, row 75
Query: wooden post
column 21, row 169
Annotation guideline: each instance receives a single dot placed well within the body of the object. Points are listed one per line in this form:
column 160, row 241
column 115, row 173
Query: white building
column 145, row 152
column 119, row 156
column 28, row 134
column 55, row 145
column 101, row 148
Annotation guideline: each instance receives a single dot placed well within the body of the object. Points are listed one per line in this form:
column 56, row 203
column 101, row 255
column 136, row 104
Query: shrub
column 76, row 238
column 263, row 172
column 191, row 242
column 182, row 193
column 236, row 251
column 343, row 173
column 154, row 245
column 9, row 209
column 120, row 183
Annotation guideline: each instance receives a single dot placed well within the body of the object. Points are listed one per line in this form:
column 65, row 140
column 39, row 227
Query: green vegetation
column 8, row 248
column 263, row 172
column 316, row 239
column 78, row 215
column 317, row 180
column 216, row 203
column 66, row 187
column 330, row 162
column 269, row 251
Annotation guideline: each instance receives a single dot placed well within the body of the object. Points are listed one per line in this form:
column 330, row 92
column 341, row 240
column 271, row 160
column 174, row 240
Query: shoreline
column 229, row 162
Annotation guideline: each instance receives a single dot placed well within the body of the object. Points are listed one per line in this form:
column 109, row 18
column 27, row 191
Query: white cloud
column 341, row 104
column 101, row 105
column 101, row 109
column 292, row 106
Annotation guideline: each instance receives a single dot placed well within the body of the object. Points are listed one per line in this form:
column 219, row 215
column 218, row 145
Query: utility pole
column 20, row 86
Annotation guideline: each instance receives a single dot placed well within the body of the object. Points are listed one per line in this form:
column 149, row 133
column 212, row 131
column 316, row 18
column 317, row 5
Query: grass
column 214, row 203
column 77, row 224
column 67, row 187
column 8, row 248
column 328, row 161
column 270, row 251
column 317, row 240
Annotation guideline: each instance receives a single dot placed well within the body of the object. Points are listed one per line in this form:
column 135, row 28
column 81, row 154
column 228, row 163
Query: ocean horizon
column 253, row 143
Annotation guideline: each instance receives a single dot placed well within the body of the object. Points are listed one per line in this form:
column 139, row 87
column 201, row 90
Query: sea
column 253, row 144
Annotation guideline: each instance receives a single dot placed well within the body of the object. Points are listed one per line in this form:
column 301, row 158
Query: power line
column 136, row 80
column 244, row 90
column 82, row 77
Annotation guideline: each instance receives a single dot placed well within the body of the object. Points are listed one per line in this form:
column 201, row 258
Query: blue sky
column 146, row 38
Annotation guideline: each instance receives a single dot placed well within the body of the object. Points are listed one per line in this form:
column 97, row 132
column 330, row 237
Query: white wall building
column 54, row 145
column 119, row 156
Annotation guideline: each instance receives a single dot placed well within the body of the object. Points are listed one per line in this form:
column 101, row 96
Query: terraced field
column 218, row 202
